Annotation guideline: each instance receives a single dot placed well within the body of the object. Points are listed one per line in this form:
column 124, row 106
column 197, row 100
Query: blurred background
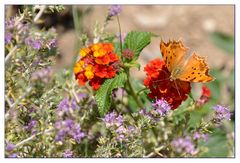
column 205, row 29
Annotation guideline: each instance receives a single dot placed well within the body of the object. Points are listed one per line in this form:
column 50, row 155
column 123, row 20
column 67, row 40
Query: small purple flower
column 161, row 107
column 114, row 10
column 31, row 125
column 34, row 43
column 70, row 128
column 68, row 154
column 53, row 43
column 197, row 136
column 144, row 112
column 13, row 155
column 28, row 41
column 37, row 44
column 8, row 38
column 10, row 147
column 112, row 119
column 221, row 113
column 131, row 129
column 9, row 24
column 67, row 105
column 82, row 96
column 183, row 145
column 43, row 74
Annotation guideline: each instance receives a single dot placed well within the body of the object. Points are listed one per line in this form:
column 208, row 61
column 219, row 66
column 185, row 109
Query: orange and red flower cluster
column 96, row 64
column 161, row 87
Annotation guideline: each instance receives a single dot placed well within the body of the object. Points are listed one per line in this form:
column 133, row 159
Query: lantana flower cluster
column 161, row 87
column 96, row 64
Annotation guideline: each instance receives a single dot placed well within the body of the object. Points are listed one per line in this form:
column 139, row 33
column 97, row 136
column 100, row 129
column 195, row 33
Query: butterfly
column 191, row 68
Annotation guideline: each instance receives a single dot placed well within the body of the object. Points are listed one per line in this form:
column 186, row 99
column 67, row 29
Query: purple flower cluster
column 10, row 147
column 161, row 107
column 30, row 126
column 43, row 74
column 66, row 106
column 10, row 23
column 114, row 10
column 8, row 38
column 198, row 135
column 69, row 128
column 112, row 119
column 115, row 123
column 221, row 113
column 52, row 43
column 34, row 43
column 183, row 145
column 68, row 154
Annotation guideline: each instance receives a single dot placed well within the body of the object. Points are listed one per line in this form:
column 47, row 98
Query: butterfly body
column 191, row 68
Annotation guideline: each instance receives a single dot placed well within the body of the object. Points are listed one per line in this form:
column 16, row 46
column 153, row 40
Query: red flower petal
column 160, row 85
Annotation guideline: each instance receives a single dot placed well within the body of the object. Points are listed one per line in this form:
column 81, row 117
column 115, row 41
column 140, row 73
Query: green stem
column 120, row 34
column 132, row 92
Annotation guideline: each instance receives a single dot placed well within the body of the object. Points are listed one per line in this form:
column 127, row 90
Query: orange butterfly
column 183, row 67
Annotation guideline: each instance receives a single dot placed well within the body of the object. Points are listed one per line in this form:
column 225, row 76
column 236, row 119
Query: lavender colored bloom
column 114, row 10
column 8, row 38
column 9, row 24
column 31, row 125
column 10, row 147
column 53, row 43
column 28, row 41
column 131, row 129
column 112, row 119
column 37, row 44
column 13, row 155
column 70, row 128
column 43, row 74
column 162, row 107
column 68, row 154
column 198, row 135
column 221, row 113
column 82, row 96
column 184, row 145
column 67, row 105
column 144, row 112
column 63, row 105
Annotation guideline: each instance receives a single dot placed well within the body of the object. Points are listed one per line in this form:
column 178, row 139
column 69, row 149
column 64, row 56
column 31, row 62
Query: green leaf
column 217, row 144
column 136, row 41
column 103, row 95
column 223, row 41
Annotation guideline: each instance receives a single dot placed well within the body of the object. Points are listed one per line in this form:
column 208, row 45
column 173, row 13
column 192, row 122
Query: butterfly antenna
column 177, row 89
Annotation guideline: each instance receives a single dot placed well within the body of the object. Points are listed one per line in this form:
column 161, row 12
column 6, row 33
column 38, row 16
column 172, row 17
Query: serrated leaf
column 136, row 41
column 103, row 95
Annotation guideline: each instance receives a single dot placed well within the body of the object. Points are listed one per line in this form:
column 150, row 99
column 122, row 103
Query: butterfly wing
column 195, row 70
column 173, row 53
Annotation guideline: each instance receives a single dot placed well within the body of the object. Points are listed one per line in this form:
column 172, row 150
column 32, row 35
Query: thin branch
column 39, row 14
column 32, row 137
column 10, row 54
column 21, row 97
